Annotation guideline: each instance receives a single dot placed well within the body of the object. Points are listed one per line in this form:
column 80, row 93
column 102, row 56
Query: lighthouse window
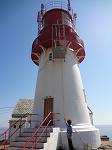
column 14, row 126
column 50, row 57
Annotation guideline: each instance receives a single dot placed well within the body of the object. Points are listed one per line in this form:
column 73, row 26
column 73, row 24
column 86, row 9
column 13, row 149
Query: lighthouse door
column 48, row 107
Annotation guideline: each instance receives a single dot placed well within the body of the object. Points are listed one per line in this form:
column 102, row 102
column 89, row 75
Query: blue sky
column 18, row 29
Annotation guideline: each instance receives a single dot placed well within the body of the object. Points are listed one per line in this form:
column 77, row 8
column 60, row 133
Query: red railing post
column 54, row 120
column 20, row 126
column 35, row 135
column 5, row 140
column 46, row 133
column 30, row 120
column 35, row 140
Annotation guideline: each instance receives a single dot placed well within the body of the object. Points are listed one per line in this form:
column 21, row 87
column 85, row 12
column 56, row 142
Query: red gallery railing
column 48, row 120
column 6, row 135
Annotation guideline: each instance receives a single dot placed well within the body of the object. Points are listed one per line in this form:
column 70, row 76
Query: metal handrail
column 5, row 133
column 9, row 128
column 56, row 4
column 29, row 140
column 6, row 140
column 45, row 129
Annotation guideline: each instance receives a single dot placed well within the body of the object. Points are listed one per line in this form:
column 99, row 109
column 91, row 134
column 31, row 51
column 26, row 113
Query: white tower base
column 83, row 138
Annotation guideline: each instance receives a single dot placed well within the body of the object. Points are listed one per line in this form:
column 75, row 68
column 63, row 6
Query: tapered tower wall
column 58, row 51
column 61, row 80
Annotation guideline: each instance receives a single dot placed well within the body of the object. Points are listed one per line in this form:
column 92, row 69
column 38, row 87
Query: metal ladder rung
column 58, row 31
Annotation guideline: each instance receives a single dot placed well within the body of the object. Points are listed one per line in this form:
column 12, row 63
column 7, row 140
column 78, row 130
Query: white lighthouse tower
column 58, row 51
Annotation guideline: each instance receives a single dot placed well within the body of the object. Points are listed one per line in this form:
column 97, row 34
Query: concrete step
column 19, row 141
column 13, row 148
column 16, row 148
column 28, row 130
column 25, row 134
column 29, row 145
column 24, row 139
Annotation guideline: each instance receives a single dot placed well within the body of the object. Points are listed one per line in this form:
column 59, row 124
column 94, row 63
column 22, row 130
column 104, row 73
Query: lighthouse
column 58, row 51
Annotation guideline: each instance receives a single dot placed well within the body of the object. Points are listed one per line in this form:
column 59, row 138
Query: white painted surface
column 61, row 80
column 84, row 135
column 52, row 141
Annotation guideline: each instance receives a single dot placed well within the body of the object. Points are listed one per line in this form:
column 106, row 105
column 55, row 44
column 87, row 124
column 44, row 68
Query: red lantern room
column 57, row 27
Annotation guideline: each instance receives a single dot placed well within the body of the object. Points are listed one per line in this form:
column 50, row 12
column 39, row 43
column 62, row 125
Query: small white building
column 19, row 116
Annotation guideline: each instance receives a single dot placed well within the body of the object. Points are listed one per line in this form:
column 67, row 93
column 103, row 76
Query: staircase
column 43, row 137
column 19, row 141
column 36, row 138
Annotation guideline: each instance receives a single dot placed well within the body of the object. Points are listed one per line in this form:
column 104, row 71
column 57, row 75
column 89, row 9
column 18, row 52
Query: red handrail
column 5, row 133
column 41, row 134
column 6, row 141
column 9, row 128
column 29, row 140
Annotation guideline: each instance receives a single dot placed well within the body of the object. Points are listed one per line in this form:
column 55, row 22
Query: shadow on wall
column 61, row 148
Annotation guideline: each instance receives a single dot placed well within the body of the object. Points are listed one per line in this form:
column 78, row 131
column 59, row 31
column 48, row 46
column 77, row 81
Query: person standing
column 69, row 133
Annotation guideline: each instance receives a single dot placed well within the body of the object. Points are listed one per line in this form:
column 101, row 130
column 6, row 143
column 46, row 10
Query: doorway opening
column 48, row 107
